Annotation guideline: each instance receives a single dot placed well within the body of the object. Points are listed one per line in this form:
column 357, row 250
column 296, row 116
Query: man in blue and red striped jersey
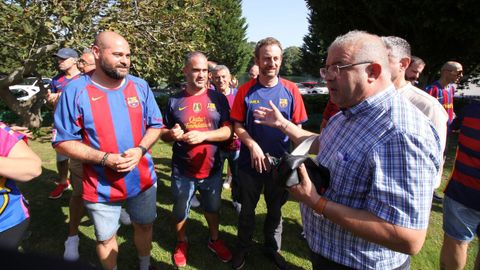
column 461, row 205
column 198, row 119
column 108, row 121
column 258, row 140
column 444, row 89
column 67, row 64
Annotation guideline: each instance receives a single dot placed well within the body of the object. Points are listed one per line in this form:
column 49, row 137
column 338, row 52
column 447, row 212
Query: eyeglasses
column 333, row 70
column 83, row 62
column 457, row 72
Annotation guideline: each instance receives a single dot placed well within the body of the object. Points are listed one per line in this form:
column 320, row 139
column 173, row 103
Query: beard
column 269, row 73
column 112, row 72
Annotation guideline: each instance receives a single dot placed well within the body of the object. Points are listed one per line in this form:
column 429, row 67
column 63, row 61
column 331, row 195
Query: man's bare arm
column 80, row 151
column 360, row 222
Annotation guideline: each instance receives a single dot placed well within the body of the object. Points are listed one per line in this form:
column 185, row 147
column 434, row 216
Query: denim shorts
column 459, row 221
column 106, row 216
column 183, row 189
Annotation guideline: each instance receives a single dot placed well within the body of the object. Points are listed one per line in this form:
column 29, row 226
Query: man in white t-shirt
column 399, row 59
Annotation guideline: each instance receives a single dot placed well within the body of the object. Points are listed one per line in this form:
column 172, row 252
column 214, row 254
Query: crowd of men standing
column 383, row 145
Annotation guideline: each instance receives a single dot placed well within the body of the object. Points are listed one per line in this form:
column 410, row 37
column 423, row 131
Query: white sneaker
column 125, row 217
column 71, row 249
column 195, row 202
column 226, row 183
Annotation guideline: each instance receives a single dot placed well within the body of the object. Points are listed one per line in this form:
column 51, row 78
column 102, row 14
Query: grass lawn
column 49, row 225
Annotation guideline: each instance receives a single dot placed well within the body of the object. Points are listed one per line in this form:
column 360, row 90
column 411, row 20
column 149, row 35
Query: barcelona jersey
column 59, row 82
column 109, row 120
column 204, row 112
column 464, row 184
column 13, row 210
column 444, row 96
column 252, row 95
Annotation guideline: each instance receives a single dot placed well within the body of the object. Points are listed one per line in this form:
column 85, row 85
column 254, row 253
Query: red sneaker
column 180, row 254
column 59, row 189
column 220, row 249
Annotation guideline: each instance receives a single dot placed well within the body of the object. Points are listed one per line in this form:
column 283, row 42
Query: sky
column 285, row 20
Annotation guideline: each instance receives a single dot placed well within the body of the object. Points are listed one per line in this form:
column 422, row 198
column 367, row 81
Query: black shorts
column 11, row 238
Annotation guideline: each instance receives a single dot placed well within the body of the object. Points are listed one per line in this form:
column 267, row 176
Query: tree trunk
column 29, row 111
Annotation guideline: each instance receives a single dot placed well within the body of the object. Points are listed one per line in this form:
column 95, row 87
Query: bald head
column 253, row 72
column 112, row 57
column 106, row 39
column 451, row 65
column 451, row 72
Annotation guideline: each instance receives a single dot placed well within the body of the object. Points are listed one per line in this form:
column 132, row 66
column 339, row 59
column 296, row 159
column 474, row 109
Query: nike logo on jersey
column 182, row 108
column 96, row 98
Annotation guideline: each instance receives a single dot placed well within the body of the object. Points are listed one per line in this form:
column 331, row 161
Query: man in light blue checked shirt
column 383, row 156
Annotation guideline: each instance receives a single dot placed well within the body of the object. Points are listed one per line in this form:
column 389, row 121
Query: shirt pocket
column 348, row 174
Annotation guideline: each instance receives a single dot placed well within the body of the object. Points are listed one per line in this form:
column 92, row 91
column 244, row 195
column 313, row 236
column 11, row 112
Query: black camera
column 284, row 171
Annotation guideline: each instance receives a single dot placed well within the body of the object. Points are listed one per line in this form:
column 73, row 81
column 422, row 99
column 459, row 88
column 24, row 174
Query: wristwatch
column 144, row 150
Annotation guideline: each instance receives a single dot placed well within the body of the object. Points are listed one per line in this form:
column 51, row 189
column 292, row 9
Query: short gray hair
column 190, row 55
column 220, row 67
column 367, row 47
column 398, row 47
column 87, row 50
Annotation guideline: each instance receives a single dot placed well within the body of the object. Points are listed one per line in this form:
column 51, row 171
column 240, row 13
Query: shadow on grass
column 49, row 227
column 48, row 220
column 437, row 207
column 199, row 256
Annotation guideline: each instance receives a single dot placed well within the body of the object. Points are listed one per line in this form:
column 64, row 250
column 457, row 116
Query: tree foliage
column 292, row 61
column 31, row 30
column 226, row 35
column 438, row 31
column 160, row 33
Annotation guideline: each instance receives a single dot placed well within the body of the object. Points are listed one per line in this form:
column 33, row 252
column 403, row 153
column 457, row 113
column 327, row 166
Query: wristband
column 320, row 205
column 144, row 150
column 104, row 159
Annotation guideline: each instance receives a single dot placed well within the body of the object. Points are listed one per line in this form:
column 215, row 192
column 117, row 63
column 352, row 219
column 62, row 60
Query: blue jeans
column 183, row 189
column 232, row 158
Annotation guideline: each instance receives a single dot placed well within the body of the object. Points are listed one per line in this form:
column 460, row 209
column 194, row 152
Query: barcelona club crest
column 211, row 107
column 283, row 103
column 197, row 107
column 132, row 102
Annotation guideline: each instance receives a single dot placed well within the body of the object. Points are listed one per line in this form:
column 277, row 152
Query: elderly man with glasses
column 383, row 156
column 86, row 63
